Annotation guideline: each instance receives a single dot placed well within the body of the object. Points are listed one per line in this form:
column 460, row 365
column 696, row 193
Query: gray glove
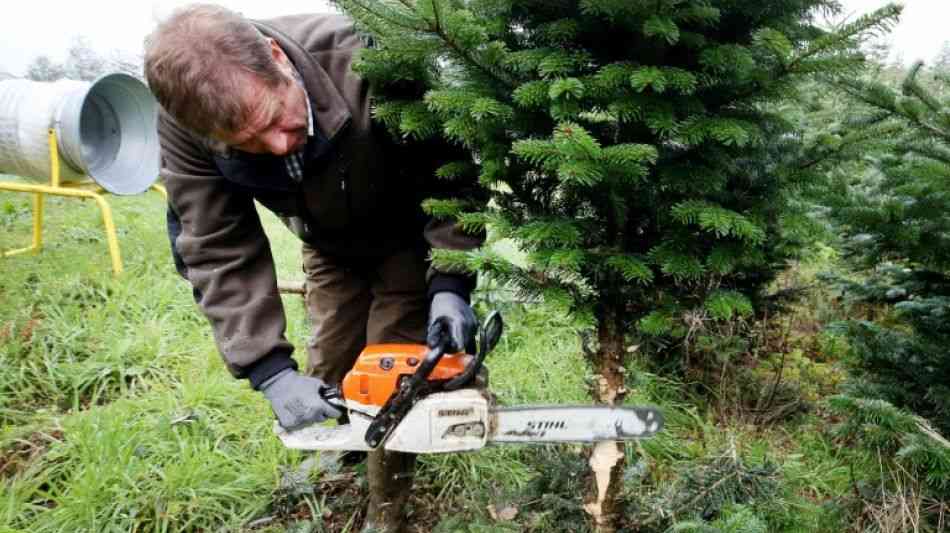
column 296, row 399
column 451, row 317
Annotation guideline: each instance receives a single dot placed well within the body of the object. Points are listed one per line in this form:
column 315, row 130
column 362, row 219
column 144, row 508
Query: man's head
column 217, row 75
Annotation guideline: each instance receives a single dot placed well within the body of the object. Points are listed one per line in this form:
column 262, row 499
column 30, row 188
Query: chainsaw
column 416, row 399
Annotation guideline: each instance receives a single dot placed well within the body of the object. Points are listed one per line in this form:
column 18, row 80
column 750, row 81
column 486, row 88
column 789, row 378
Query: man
column 271, row 111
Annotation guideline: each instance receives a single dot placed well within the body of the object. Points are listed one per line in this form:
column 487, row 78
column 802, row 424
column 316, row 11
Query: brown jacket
column 359, row 200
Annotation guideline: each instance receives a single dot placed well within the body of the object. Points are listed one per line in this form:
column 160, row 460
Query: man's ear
column 278, row 54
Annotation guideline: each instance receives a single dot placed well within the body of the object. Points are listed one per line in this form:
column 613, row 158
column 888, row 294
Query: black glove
column 296, row 399
column 451, row 317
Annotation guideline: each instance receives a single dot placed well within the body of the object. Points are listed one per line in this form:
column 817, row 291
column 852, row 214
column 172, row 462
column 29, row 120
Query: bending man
column 270, row 111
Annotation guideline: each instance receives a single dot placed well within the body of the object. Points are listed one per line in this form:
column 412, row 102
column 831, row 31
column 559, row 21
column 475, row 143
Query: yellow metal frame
column 77, row 189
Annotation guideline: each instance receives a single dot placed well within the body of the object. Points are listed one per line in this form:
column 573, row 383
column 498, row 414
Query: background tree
column 894, row 456
column 942, row 59
column 636, row 151
column 897, row 228
column 83, row 62
column 42, row 68
column 133, row 65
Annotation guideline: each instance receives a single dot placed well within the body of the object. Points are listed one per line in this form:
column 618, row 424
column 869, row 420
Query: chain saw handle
column 488, row 337
column 333, row 396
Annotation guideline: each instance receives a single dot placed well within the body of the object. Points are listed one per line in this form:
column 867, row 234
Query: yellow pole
column 114, row 252
column 38, row 198
column 37, row 222
column 76, row 193
column 46, row 189
column 55, row 189
column 111, row 237
column 161, row 190
column 53, row 158
column 37, row 229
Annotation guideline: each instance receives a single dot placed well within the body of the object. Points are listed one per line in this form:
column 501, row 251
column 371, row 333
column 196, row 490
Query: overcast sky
column 29, row 28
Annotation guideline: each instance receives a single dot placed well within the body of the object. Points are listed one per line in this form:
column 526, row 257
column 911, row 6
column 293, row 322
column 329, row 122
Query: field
column 117, row 414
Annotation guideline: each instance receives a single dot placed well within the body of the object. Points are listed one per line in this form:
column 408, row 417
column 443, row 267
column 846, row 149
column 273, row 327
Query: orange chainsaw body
column 377, row 371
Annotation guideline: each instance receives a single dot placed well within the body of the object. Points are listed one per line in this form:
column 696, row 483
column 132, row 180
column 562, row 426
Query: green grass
column 149, row 432
column 117, row 414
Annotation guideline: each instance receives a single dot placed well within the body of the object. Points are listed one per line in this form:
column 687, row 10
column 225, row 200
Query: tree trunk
column 602, row 500
column 390, row 481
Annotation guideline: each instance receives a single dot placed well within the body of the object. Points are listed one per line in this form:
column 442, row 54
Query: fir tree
column 898, row 233
column 634, row 150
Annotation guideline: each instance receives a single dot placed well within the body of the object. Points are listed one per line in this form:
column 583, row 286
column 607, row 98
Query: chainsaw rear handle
column 487, row 340
column 431, row 359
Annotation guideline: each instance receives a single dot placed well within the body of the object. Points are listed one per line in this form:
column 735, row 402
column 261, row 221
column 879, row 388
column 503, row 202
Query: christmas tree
column 898, row 233
column 635, row 151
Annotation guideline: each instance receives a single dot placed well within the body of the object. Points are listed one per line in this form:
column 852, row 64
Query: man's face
column 277, row 120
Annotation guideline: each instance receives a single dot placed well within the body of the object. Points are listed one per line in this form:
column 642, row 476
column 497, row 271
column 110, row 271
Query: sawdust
column 502, row 513
column 606, row 394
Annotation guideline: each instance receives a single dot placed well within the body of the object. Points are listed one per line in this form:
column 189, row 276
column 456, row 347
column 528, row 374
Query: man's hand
column 452, row 318
column 296, row 399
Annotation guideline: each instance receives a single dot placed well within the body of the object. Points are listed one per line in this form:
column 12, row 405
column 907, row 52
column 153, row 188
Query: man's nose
column 277, row 143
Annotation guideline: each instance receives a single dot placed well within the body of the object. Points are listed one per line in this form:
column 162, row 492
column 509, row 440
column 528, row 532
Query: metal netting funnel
column 106, row 130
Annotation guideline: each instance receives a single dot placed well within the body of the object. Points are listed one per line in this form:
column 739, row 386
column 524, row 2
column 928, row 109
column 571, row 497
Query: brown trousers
column 351, row 306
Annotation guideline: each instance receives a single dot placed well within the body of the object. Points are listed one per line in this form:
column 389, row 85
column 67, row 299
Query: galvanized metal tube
column 27, row 111
column 107, row 130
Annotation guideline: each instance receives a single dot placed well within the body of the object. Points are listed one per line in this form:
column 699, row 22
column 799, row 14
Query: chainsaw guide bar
column 413, row 399
column 463, row 420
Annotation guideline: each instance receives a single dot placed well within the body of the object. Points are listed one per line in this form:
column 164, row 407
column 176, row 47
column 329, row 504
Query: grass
column 145, row 429
column 117, row 414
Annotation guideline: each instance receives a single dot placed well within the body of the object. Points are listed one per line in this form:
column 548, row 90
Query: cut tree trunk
column 390, row 482
column 607, row 459
column 291, row 287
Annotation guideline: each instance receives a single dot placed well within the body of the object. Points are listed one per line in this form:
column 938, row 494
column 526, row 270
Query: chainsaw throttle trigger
column 402, row 399
column 487, row 340
column 333, row 396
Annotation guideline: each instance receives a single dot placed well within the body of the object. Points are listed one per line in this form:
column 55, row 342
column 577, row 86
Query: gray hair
column 196, row 61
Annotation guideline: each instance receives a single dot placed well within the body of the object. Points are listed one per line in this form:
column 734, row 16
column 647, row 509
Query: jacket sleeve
column 221, row 248
column 446, row 234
